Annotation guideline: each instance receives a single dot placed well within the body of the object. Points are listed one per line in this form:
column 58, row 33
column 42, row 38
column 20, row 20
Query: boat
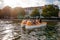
column 36, row 26
column 42, row 24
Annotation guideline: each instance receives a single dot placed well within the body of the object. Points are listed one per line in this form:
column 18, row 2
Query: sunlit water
column 12, row 31
column 9, row 30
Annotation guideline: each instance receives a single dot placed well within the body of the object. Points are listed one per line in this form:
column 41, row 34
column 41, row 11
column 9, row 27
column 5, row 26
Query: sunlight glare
column 24, row 3
column 12, row 3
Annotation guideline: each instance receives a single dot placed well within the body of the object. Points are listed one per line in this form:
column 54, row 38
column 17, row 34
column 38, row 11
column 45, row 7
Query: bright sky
column 57, row 3
column 24, row 3
column 29, row 3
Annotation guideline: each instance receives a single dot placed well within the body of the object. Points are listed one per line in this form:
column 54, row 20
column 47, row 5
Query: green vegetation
column 50, row 10
column 35, row 13
column 21, row 13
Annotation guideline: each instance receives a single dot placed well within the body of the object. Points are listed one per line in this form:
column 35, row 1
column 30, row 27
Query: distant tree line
column 18, row 12
column 11, row 13
column 50, row 11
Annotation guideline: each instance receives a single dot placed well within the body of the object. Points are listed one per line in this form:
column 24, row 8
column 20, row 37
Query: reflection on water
column 10, row 31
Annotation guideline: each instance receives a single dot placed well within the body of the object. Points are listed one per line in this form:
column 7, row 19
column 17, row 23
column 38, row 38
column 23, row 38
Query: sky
column 28, row 3
column 24, row 3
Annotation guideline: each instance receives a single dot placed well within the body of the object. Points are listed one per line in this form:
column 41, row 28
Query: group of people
column 30, row 22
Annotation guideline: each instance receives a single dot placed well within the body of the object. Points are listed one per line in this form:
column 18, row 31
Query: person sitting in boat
column 40, row 21
column 37, row 22
column 33, row 22
column 28, row 23
column 24, row 22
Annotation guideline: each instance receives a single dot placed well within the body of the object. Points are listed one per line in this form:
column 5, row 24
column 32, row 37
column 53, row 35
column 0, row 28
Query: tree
column 50, row 10
column 1, row 14
column 18, row 12
column 6, row 12
column 35, row 13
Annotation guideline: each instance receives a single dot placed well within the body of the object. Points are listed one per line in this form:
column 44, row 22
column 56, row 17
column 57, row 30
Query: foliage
column 50, row 10
column 21, row 13
column 1, row 14
column 35, row 13
column 6, row 12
